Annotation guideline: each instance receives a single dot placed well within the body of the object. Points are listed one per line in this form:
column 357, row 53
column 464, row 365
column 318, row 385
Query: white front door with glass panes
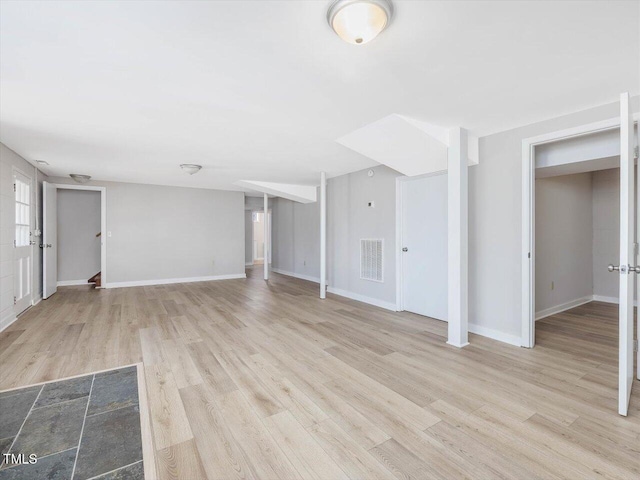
column 22, row 256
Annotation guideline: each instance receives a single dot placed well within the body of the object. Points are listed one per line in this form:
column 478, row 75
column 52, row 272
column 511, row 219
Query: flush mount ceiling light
column 80, row 178
column 359, row 21
column 190, row 168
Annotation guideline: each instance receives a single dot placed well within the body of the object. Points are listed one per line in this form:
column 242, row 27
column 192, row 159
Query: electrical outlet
column 553, row 285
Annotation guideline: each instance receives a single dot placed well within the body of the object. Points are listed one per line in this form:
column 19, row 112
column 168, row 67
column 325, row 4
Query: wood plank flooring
column 252, row 380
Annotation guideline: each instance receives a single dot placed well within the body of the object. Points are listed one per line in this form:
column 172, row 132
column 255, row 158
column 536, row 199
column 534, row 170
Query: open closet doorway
column 74, row 236
column 580, row 233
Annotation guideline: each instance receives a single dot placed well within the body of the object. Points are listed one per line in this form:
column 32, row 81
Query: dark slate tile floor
column 82, row 428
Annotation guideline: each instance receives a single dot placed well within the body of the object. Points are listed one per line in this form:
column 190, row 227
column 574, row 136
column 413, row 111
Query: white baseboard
column 362, row 298
column 6, row 321
column 602, row 298
column 547, row 312
column 495, row 335
column 296, row 275
column 71, row 283
column 248, row 264
column 169, row 281
column 37, row 300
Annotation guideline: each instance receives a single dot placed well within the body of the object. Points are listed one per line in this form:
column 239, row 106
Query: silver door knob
column 613, row 268
column 405, row 249
column 634, row 269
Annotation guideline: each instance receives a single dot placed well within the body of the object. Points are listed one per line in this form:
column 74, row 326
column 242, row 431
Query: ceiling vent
column 371, row 259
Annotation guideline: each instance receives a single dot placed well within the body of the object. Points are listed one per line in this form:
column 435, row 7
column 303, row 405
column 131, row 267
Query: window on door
column 23, row 213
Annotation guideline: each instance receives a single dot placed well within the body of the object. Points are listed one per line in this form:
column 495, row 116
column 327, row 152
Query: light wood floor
column 249, row 380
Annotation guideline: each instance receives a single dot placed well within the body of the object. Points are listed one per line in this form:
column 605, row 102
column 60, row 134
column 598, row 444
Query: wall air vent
column 371, row 259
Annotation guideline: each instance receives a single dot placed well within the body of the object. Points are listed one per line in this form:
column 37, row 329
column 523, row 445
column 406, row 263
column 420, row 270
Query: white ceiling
column 260, row 90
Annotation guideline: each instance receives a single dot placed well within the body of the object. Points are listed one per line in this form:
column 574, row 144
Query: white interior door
column 424, row 246
column 49, row 239
column 22, row 255
column 627, row 256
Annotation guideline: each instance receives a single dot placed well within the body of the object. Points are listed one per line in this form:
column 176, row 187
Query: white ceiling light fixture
column 80, row 178
column 359, row 21
column 190, row 168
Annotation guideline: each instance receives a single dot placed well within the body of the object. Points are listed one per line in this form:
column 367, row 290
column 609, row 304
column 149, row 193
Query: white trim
column 103, row 222
column 528, row 214
column 547, row 312
column 494, row 334
column 36, row 300
column 71, row 283
column 323, row 235
column 296, row 275
column 7, row 321
column 615, row 300
column 168, row 281
column 399, row 240
column 361, row 298
column 248, row 264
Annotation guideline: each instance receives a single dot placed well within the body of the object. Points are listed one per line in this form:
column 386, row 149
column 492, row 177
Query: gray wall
column 160, row 232
column 564, row 240
column 606, row 231
column 296, row 232
column 495, row 221
column 78, row 223
column 296, row 237
column 350, row 219
column 8, row 160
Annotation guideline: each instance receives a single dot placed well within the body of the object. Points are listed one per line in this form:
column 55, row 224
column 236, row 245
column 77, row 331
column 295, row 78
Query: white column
column 323, row 235
column 267, row 240
column 458, row 238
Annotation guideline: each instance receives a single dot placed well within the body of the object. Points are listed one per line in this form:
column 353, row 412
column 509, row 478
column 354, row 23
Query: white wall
column 163, row 233
column 258, row 235
column 248, row 237
column 564, row 240
column 78, row 222
column 8, row 161
column 606, row 232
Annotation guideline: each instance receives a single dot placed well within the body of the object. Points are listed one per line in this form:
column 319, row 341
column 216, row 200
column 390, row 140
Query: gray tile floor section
column 83, row 428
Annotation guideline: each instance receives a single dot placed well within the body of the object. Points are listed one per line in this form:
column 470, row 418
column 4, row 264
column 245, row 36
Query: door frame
column 400, row 181
column 103, row 224
column 528, row 213
column 32, row 215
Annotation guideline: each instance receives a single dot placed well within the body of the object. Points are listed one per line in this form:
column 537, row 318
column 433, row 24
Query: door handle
column 405, row 249
column 624, row 268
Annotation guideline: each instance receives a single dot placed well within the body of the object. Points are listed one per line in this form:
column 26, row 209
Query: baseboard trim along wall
column 169, row 281
column 296, row 275
column 71, row 283
column 248, row 264
column 495, row 335
column 547, row 312
column 7, row 321
column 576, row 303
column 361, row 298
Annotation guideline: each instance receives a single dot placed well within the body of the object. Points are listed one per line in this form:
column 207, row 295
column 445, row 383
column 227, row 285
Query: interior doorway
column 258, row 239
column 582, row 148
column 73, row 236
column 422, row 228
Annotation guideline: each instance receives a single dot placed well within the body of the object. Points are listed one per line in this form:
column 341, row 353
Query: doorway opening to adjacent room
column 74, row 231
column 585, row 178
